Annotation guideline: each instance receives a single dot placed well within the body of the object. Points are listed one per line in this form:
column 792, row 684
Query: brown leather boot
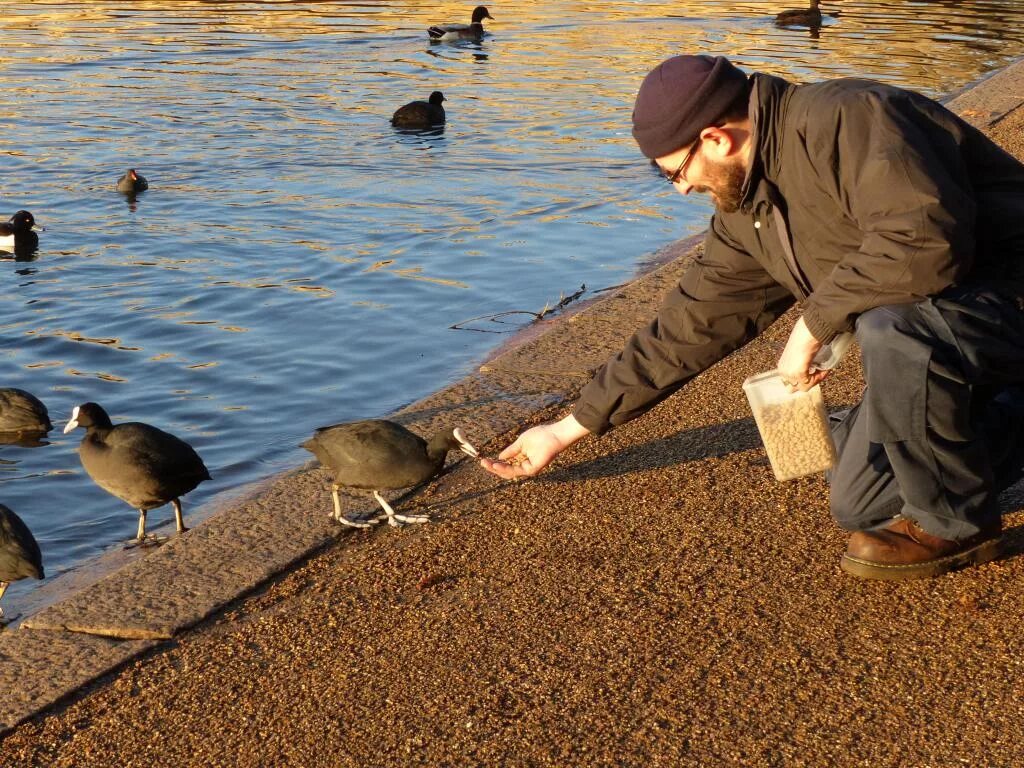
column 902, row 550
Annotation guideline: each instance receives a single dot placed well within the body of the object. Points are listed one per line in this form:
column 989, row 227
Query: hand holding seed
column 535, row 448
column 795, row 364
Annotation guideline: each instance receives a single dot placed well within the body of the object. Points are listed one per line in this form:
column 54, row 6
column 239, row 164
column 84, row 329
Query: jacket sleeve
column 897, row 172
column 723, row 300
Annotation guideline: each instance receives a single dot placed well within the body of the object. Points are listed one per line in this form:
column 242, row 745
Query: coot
column 140, row 464
column 21, row 411
column 420, row 114
column 377, row 454
column 19, row 552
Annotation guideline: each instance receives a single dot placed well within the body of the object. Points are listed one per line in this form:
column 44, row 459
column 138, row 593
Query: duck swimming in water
column 420, row 114
column 21, row 411
column 810, row 17
column 473, row 31
column 19, row 232
column 132, row 182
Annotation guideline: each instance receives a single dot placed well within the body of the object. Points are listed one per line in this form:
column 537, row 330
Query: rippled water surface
column 297, row 261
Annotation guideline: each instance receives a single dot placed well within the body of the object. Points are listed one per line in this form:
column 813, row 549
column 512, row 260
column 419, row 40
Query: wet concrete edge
column 97, row 630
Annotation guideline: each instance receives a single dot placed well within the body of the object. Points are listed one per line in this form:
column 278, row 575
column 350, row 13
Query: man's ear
column 718, row 141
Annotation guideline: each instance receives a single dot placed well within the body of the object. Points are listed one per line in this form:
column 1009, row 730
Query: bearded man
column 882, row 213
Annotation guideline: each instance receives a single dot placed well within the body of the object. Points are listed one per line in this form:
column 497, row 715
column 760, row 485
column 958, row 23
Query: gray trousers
column 940, row 428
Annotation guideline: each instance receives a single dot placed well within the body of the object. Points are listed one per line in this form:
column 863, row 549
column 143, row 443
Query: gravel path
column 654, row 599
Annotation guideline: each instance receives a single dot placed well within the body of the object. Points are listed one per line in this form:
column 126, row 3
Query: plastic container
column 830, row 354
column 793, row 426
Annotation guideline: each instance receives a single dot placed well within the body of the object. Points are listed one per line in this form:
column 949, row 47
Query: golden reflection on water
column 933, row 42
column 292, row 242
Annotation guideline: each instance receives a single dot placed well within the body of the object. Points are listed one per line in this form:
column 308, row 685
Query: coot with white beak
column 140, row 464
column 377, row 454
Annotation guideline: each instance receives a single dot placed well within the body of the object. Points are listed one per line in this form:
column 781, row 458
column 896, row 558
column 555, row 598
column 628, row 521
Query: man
column 880, row 212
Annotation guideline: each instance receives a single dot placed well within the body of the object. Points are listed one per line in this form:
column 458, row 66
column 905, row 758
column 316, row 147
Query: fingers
column 805, row 382
column 512, row 451
column 503, row 469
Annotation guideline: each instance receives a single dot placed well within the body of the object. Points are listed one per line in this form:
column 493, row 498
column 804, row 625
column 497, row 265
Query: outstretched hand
column 534, row 449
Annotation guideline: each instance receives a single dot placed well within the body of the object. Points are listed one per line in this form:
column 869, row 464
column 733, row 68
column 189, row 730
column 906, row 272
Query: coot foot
column 149, row 540
column 395, row 519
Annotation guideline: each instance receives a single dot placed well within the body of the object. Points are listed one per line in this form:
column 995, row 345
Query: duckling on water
column 377, row 454
column 420, row 114
column 473, row 31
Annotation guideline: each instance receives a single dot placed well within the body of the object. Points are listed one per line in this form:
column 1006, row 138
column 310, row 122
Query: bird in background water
column 140, row 464
column 810, row 17
column 377, row 455
column 472, row 31
column 21, row 411
column 132, row 182
column 420, row 114
column 19, row 232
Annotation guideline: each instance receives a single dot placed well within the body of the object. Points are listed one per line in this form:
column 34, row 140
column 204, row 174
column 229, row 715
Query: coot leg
column 142, row 539
column 3, row 588
column 344, row 520
column 393, row 517
column 179, row 519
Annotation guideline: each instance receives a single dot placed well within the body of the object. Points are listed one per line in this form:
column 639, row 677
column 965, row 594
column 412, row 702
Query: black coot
column 21, row 411
column 140, row 464
column 19, row 552
column 420, row 114
column 377, row 454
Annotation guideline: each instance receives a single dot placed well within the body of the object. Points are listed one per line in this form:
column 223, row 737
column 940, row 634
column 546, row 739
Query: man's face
column 702, row 172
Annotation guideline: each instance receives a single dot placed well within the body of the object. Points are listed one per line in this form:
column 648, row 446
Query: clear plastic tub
column 793, row 426
column 828, row 356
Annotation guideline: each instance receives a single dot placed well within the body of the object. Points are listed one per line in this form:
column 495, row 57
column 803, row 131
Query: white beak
column 464, row 445
column 72, row 422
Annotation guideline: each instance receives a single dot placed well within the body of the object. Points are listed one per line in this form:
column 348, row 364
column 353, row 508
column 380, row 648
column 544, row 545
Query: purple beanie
column 679, row 98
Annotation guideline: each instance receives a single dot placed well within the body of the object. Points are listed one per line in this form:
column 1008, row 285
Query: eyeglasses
column 674, row 177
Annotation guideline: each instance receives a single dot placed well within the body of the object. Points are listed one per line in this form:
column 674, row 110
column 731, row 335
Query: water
column 297, row 261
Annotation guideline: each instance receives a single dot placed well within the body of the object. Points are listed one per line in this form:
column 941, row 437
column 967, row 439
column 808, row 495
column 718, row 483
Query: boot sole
column 982, row 552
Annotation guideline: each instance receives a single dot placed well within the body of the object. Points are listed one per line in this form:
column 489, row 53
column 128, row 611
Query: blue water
column 297, row 261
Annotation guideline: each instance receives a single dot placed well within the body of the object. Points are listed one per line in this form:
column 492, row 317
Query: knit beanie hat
column 679, row 98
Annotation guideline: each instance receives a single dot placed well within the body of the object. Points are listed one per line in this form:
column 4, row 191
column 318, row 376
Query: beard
column 724, row 181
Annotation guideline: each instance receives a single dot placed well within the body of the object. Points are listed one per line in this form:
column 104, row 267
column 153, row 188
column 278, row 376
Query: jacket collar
column 769, row 100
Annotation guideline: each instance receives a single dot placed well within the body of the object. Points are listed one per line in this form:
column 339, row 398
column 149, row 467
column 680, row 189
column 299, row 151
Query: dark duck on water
column 132, row 182
column 473, row 31
column 21, row 411
column 810, row 17
column 420, row 114
column 378, row 455
column 19, row 232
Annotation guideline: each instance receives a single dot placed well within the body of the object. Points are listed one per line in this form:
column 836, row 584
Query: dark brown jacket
column 859, row 195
